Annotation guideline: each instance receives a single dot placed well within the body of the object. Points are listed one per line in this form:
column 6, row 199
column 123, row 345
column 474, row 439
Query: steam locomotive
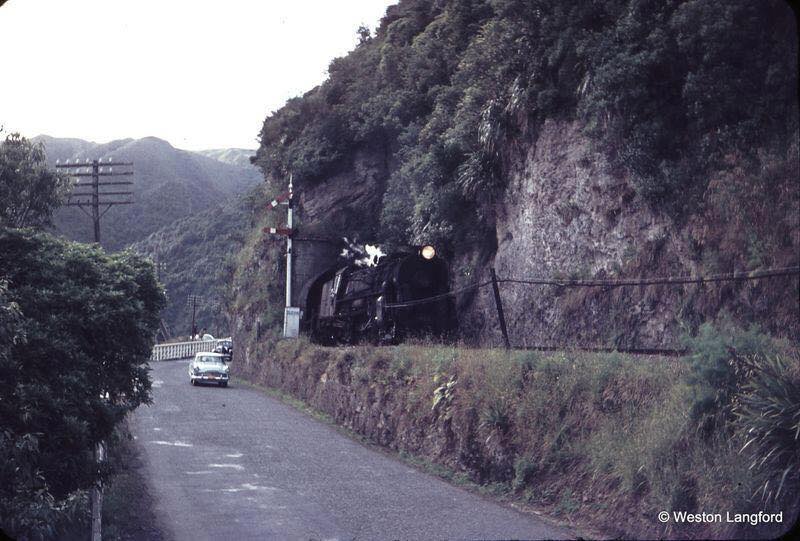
column 345, row 305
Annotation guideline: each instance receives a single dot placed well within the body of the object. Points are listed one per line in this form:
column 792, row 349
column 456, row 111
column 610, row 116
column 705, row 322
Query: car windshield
column 210, row 360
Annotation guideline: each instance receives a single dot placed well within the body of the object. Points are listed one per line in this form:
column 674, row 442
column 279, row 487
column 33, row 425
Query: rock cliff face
column 568, row 214
column 345, row 202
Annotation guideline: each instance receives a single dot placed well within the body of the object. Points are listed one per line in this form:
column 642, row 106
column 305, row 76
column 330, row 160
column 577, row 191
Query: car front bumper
column 205, row 378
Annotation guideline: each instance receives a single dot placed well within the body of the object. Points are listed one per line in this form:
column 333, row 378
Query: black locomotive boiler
column 382, row 303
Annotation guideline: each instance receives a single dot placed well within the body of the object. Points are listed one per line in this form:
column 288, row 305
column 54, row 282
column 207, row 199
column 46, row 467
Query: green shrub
column 496, row 416
column 718, row 354
column 524, row 470
column 567, row 503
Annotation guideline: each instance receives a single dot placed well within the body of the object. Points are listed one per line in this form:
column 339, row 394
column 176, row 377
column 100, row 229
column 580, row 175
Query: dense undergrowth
column 604, row 440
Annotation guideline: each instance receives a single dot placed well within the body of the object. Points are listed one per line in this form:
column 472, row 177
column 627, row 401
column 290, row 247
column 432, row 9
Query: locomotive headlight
column 427, row 251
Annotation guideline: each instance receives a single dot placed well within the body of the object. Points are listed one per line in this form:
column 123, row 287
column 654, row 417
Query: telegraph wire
column 668, row 280
column 426, row 300
column 619, row 282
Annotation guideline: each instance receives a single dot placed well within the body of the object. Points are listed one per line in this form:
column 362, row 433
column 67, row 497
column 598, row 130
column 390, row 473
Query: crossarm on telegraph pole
column 96, row 197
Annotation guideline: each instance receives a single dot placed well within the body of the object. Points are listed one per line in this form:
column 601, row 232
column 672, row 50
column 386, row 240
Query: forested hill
column 169, row 184
column 550, row 138
column 197, row 256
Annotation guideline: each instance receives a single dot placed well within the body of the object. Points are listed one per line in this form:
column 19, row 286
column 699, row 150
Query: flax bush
column 767, row 410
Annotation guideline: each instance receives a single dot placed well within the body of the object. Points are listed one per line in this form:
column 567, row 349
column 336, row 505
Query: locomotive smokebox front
column 404, row 294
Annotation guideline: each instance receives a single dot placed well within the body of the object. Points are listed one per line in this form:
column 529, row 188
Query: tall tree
column 77, row 328
column 29, row 192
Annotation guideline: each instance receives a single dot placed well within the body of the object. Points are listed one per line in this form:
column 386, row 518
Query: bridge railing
column 181, row 350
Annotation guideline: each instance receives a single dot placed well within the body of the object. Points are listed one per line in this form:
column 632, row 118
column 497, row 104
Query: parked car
column 225, row 347
column 208, row 367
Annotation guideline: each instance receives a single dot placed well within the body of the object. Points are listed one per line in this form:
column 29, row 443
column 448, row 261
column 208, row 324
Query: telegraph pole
column 161, row 266
column 193, row 301
column 97, row 498
column 88, row 194
column 158, row 265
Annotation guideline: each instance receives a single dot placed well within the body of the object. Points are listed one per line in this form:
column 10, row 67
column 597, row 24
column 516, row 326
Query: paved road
column 235, row 464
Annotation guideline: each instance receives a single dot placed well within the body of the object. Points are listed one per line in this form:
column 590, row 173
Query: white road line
column 243, row 487
column 172, row 443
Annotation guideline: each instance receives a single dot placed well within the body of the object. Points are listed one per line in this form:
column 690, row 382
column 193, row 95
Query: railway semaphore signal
column 291, row 314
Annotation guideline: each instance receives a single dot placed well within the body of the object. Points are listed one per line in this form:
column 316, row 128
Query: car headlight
column 196, row 370
column 428, row 251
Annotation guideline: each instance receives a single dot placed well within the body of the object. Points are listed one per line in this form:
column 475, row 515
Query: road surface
column 236, row 464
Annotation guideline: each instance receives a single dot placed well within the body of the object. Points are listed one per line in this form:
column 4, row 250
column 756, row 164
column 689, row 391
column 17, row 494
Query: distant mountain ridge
column 169, row 184
column 233, row 156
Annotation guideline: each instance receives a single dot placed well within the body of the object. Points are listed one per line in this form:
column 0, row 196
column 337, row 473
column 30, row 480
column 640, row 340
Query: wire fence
column 735, row 276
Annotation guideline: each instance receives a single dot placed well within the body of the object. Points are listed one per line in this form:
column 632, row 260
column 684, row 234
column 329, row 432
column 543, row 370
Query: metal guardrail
column 182, row 350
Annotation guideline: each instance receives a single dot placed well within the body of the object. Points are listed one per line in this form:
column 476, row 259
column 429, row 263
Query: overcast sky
column 198, row 73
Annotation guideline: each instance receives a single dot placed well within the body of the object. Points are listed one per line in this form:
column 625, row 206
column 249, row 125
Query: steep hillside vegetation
column 196, row 255
column 592, row 139
column 168, row 184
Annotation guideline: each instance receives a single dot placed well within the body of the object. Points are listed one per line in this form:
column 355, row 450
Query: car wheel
column 223, row 383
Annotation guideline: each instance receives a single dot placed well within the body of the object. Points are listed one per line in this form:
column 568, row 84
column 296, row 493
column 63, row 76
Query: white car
column 209, row 368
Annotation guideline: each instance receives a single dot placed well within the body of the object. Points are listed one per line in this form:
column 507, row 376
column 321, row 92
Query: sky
column 201, row 74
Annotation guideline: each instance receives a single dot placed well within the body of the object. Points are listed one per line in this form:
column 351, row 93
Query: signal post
column 291, row 314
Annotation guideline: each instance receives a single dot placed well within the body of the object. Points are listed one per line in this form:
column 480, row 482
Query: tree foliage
column 77, row 329
column 29, row 192
column 690, row 87
column 669, row 90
